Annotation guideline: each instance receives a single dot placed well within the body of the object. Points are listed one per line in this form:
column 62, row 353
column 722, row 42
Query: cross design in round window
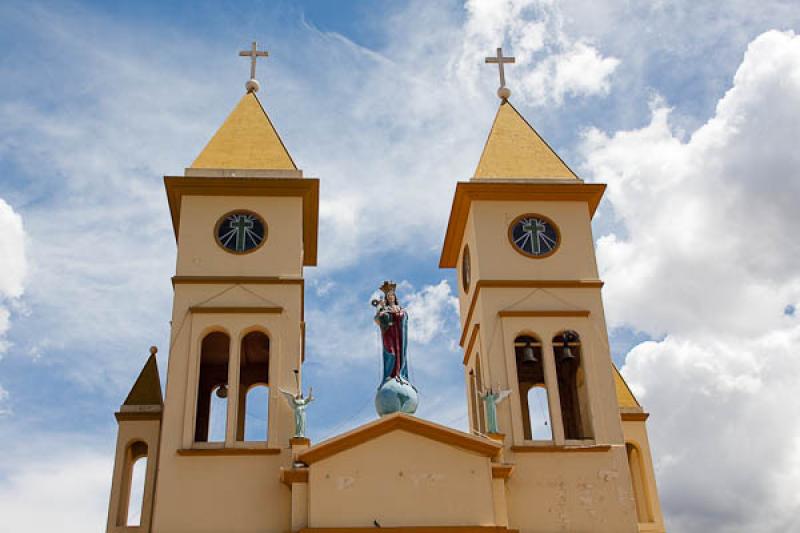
column 534, row 235
column 241, row 232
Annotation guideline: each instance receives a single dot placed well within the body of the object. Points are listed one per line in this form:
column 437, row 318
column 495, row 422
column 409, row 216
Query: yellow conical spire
column 515, row 150
column 246, row 140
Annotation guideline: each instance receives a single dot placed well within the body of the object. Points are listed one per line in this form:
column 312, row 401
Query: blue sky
column 687, row 111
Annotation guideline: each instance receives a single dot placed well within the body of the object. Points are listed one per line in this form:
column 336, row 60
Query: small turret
column 139, row 420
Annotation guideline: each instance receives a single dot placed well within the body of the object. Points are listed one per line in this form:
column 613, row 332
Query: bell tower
column 533, row 329
column 245, row 223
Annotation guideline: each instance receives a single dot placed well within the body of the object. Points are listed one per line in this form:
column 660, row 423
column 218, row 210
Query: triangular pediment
column 399, row 422
column 246, row 140
column 237, row 296
column 541, row 300
column 515, row 150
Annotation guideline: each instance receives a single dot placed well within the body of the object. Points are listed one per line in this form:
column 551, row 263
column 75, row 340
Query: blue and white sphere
column 396, row 396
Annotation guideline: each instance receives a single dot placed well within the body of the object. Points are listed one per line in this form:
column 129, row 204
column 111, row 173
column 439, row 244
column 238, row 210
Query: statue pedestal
column 500, row 439
column 396, row 396
column 298, row 442
column 298, row 445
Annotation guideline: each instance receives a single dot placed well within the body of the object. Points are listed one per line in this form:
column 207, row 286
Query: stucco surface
column 401, row 479
column 575, row 492
column 222, row 493
column 636, row 433
column 497, row 259
column 280, row 255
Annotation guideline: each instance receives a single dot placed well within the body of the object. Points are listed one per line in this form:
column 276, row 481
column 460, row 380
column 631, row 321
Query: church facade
column 557, row 441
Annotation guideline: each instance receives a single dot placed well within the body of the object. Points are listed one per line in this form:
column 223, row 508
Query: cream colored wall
column 552, row 490
column 492, row 257
column 200, row 255
column 579, row 492
column 190, row 328
column 129, row 432
column 299, row 506
column 232, row 493
column 635, row 432
column 250, row 494
column 497, row 347
column 401, row 479
column 574, row 260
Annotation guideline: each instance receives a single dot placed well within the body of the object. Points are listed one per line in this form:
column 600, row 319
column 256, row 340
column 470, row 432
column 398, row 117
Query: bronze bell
column 566, row 354
column 222, row 391
column 528, row 356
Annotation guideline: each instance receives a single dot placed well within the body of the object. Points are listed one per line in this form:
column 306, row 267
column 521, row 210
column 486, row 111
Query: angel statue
column 395, row 392
column 491, row 399
column 298, row 403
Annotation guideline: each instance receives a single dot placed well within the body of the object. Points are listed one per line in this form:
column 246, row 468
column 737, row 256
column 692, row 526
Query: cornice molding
column 507, row 191
column 271, row 310
column 541, row 313
column 207, row 452
column 399, row 421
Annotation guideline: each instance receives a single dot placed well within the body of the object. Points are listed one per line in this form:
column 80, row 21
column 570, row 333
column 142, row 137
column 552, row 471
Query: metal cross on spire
column 254, row 53
column 503, row 92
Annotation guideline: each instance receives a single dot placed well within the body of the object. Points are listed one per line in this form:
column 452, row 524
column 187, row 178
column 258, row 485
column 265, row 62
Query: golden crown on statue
column 386, row 288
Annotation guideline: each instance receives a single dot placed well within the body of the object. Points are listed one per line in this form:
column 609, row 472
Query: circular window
column 241, row 232
column 534, row 235
column 466, row 267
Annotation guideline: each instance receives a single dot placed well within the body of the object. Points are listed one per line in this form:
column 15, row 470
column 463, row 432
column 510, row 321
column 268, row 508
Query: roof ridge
column 399, row 421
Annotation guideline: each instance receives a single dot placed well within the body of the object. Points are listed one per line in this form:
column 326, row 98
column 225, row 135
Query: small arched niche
column 134, row 475
column 572, row 391
column 531, row 383
column 212, row 387
column 636, row 466
column 253, row 387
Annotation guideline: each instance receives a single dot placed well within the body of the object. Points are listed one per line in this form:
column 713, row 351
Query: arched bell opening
column 253, row 407
column 572, row 385
column 212, row 388
column 531, row 383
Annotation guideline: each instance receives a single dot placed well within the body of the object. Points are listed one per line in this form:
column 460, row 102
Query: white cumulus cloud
column 553, row 63
column 13, row 265
column 63, row 492
column 428, row 311
column 708, row 263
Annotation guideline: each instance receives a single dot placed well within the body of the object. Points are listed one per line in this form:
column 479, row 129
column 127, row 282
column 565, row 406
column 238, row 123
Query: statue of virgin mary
column 395, row 392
